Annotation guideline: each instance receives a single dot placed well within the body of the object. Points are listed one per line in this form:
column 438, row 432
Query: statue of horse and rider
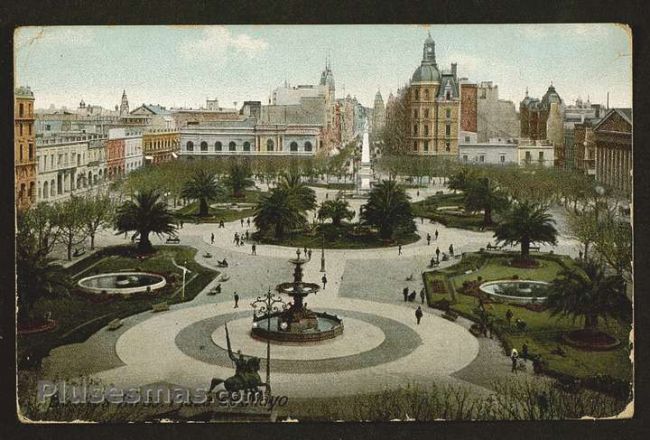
column 246, row 376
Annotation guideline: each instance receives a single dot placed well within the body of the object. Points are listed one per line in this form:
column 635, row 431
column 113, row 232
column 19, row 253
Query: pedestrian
column 327, row 195
column 236, row 240
column 242, row 222
column 309, row 253
column 212, row 238
column 221, row 225
column 422, row 295
column 428, row 239
column 418, row 193
column 524, row 351
column 399, row 250
column 305, row 251
column 253, row 249
column 513, row 358
column 405, row 292
column 451, row 250
column 418, row 314
column 246, row 234
column 236, row 300
column 324, row 281
column 436, row 234
column 509, row 316
column 248, row 222
column 181, row 224
column 437, row 254
column 579, row 255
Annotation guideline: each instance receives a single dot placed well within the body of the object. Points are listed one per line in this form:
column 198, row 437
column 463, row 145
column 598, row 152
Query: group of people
column 429, row 237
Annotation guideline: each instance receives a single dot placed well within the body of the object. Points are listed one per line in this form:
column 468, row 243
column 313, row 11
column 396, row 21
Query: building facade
column 468, row 107
column 535, row 153
column 496, row 118
column 534, row 115
column 160, row 145
column 613, row 137
column 378, row 114
column 434, row 107
column 24, row 148
column 494, row 152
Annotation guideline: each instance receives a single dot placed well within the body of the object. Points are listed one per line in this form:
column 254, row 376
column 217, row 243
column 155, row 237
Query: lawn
column 543, row 331
column 340, row 186
column 342, row 237
column 433, row 208
column 78, row 316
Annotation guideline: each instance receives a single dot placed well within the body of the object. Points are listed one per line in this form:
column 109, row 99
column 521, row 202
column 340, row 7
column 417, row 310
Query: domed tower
column 434, row 106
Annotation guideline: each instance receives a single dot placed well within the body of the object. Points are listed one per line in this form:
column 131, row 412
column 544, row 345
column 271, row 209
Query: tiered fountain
column 296, row 323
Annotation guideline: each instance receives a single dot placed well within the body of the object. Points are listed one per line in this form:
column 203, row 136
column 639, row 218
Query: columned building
column 160, row 145
column 434, row 107
column 613, row 136
column 24, row 148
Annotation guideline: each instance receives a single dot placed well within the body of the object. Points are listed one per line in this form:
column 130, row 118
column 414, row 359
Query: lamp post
column 185, row 270
column 322, row 253
column 267, row 304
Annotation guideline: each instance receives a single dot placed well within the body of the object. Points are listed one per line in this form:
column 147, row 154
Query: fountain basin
column 518, row 291
column 323, row 327
column 122, row 283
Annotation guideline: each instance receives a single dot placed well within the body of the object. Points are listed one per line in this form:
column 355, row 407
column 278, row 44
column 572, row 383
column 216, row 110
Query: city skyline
column 181, row 66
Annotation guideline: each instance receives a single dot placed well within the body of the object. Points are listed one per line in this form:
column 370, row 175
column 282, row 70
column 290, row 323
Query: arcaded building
column 24, row 147
column 434, row 106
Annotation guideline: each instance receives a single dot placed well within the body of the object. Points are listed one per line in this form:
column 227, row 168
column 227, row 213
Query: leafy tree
column 395, row 134
column 388, row 208
column 525, row 223
column 588, row 293
column 302, row 197
column 38, row 231
column 613, row 243
column 71, row 220
column 203, row 187
column 460, row 180
column 277, row 211
column 480, row 195
column 238, row 178
column 98, row 213
column 337, row 210
column 144, row 215
column 584, row 228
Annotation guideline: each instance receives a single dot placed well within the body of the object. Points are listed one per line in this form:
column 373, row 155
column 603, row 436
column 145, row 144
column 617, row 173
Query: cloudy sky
column 184, row 65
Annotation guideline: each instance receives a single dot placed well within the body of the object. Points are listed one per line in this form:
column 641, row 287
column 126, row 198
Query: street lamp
column 322, row 253
column 185, row 270
column 266, row 305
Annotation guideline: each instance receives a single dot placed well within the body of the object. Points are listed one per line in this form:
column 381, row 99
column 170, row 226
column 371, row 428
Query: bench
column 79, row 252
column 174, row 240
column 115, row 324
column 160, row 307
column 534, row 248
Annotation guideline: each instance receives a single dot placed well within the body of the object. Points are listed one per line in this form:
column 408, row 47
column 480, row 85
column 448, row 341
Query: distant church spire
column 124, row 105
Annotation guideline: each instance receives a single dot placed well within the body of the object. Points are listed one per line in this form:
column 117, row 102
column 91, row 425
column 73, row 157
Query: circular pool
column 516, row 291
column 122, row 283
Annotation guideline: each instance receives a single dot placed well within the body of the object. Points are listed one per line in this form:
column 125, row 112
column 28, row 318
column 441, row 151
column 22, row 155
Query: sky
column 179, row 66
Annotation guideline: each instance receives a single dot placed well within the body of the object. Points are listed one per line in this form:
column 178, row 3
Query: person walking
column 428, row 239
column 181, row 224
column 436, row 234
column 236, row 239
column 212, row 238
column 399, row 250
column 451, row 250
column 253, row 249
column 405, row 292
column 248, row 222
column 418, row 314
column 309, row 253
column 236, row 297
column 241, row 220
column 437, row 254
column 324, row 281
column 513, row 358
column 422, row 295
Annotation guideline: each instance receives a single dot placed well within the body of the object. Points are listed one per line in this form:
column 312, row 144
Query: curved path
column 382, row 346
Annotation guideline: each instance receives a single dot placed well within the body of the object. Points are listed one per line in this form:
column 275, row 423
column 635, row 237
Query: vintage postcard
column 323, row 223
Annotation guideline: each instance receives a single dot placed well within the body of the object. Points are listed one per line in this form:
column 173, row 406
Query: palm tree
column 525, row 223
column 588, row 293
column 202, row 187
column 388, row 208
column 303, row 198
column 276, row 211
column 37, row 278
column 480, row 195
column 146, row 214
column 337, row 210
column 238, row 178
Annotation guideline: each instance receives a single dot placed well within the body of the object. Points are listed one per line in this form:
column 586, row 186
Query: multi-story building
column 579, row 113
column 378, row 114
column 584, row 147
column 160, row 145
column 468, row 106
column 613, row 137
column 24, row 148
column 69, row 163
column 534, row 115
column 496, row 118
column 123, row 152
column 155, row 116
column 539, row 153
column 497, row 151
column 434, row 107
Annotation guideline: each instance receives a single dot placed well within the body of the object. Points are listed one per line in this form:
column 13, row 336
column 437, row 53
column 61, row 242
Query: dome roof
column 426, row 73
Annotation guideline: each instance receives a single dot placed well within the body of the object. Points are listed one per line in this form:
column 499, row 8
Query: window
column 415, row 113
column 415, row 129
column 426, row 113
column 293, row 146
column 247, row 146
column 448, row 96
column 448, row 113
column 466, row 138
column 541, row 156
column 308, row 146
column 426, row 94
column 447, row 146
column 426, row 130
column 481, row 158
column 218, row 146
column 21, row 152
column 269, row 145
column 21, row 110
column 189, row 146
column 426, row 145
column 232, row 146
column 30, row 128
column 483, row 96
column 502, row 158
column 417, row 95
column 528, row 157
column 447, row 130
column 20, row 125
column 464, row 157
column 415, row 146
column 31, row 151
column 204, row 146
